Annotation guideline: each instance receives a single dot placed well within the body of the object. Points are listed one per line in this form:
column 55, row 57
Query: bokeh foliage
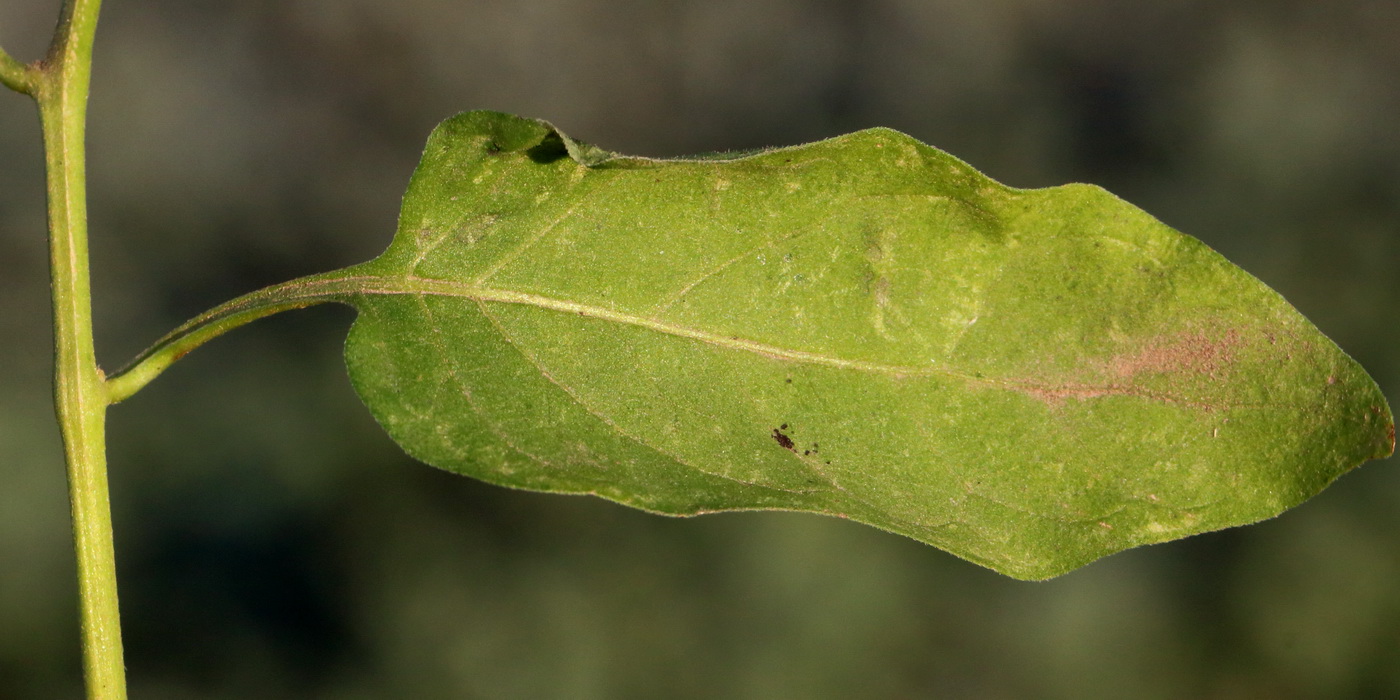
column 272, row 542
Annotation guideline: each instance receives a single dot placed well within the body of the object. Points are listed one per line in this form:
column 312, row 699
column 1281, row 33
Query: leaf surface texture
column 864, row 327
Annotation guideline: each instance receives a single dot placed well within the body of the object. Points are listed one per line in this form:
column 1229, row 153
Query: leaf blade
column 864, row 327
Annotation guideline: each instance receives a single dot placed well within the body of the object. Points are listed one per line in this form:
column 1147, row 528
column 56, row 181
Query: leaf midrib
column 345, row 288
column 347, row 284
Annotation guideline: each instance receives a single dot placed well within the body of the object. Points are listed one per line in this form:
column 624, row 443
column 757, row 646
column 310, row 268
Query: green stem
column 60, row 85
column 15, row 75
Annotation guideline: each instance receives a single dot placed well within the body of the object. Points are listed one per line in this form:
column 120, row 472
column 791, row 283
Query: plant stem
column 61, row 88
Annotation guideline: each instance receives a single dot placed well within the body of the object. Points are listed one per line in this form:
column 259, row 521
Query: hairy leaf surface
column 864, row 327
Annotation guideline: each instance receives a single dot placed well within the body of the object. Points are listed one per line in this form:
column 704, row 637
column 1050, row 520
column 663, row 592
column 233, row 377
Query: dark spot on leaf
column 783, row 440
column 784, row 425
column 789, row 380
column 805, row 453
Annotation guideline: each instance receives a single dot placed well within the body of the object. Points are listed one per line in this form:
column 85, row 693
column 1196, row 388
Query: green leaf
column 864, row 327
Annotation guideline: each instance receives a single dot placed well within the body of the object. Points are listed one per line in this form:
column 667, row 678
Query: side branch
column 17, row 76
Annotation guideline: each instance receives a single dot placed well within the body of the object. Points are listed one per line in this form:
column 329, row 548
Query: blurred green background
column 273, row 543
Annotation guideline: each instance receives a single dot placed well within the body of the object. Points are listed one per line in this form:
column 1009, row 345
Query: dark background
column 273, row 543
